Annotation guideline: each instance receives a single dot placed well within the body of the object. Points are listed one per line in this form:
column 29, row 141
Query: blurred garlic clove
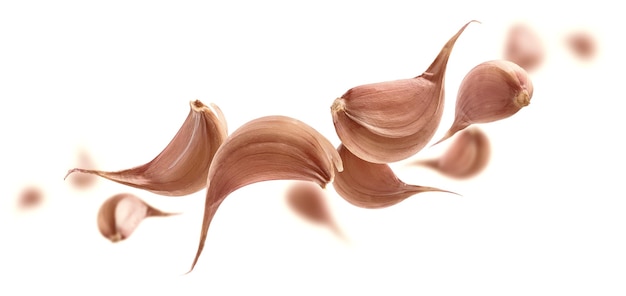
column 492, row 91
column 466, row 157
column 264, row 149
column 524, row 47
column 308, row 200
column 582, row 44
column 371, row 185
column 390, row 121
column 83, row 181
column 29, row 198
column 182, row 167
column 120, row 215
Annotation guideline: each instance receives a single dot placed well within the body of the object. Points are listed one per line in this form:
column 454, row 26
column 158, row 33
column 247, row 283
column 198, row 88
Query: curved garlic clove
column 120, row 215
column 309, row 201
column 182, row 167
column 466, row 157
column 492, row 91
column 371, row 185
column 264, row 149
column 390, row 121
column 524, row 47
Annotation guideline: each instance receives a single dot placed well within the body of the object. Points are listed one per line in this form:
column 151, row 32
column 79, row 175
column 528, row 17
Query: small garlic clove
column 524, row 47
column 582, row 44
column 492, row 91
column 390, row 121
column 29, row 198
column 309, row 201
column 264, row 149
column 122, row 213
column 371, row 185
column 182, row 167
column 466, row 157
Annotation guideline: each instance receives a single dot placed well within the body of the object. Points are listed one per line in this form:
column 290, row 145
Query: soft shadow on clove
column 466, row 157
column 524, row 47
column 309, row 201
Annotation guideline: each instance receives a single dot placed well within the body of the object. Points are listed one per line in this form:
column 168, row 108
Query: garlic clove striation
column 466, row 157
column 491, row 91
column 390, row 121
column 371, row 185
column 121, row 214
column 265, row 149
column 182, row 167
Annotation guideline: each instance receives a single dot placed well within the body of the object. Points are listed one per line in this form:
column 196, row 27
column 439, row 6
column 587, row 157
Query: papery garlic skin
column 371, row 185
column 182, row 167
column 492, row 91
column 265, row 149
column 390, row 121
column 121, row 214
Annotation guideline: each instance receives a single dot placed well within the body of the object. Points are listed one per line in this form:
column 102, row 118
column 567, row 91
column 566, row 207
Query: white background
column 115, row 78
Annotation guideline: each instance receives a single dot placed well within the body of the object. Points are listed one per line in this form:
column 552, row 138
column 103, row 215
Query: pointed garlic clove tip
column 265, row 149
column 370, row 185
column 121, row 214
column 182, row 167
column 390, row 121
column 491, row 91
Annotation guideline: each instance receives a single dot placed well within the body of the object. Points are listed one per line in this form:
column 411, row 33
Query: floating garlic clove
column 182, row 167
column 371, row 185
column 29, row 198
column 582, row 44
column 390, row 121
column 264, row 149
column 492, row 91
column 120, row 215
column 466, row 157
column 83, row 181
column 309, row 201
column 524, row 47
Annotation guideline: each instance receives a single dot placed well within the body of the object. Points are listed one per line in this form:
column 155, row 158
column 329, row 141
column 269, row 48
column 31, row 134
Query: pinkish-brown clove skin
column 182, row 167
column 30, row 198
column 582, row 44
column 390, row 121
column 309, row 201
column 491, row 91
column 121, row 214
column 371, row 185
column 467, row 156
column 264, row 149
column 524, row 47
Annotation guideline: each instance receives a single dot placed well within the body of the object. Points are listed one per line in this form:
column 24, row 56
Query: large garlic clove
column 182, row 167
column 264, row 149
column 371, row 185
column 390, row 121
column 308, row 200
column 466, row 157
column 492, row 91
column 120, row 215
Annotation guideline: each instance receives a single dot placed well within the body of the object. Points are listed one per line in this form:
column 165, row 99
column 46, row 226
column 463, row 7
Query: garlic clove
column 83, row 181
column 524, row 47
column 390, row 121
column 466, row 157
column 264, row 149
column 308, row 200
column 582, row 44
column 121, row 214
column 29, row 198
column 371, row 185
column 492, row 91
column 182, row 167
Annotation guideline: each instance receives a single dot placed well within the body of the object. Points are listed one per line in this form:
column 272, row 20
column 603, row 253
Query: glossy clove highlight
column 308, row 200
column 467, row 156
column 264, row 149
column 371, row 185
column 492, row 91
column 524, row 47
column 120, row 215
column 182, row 167
column 390, row 121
